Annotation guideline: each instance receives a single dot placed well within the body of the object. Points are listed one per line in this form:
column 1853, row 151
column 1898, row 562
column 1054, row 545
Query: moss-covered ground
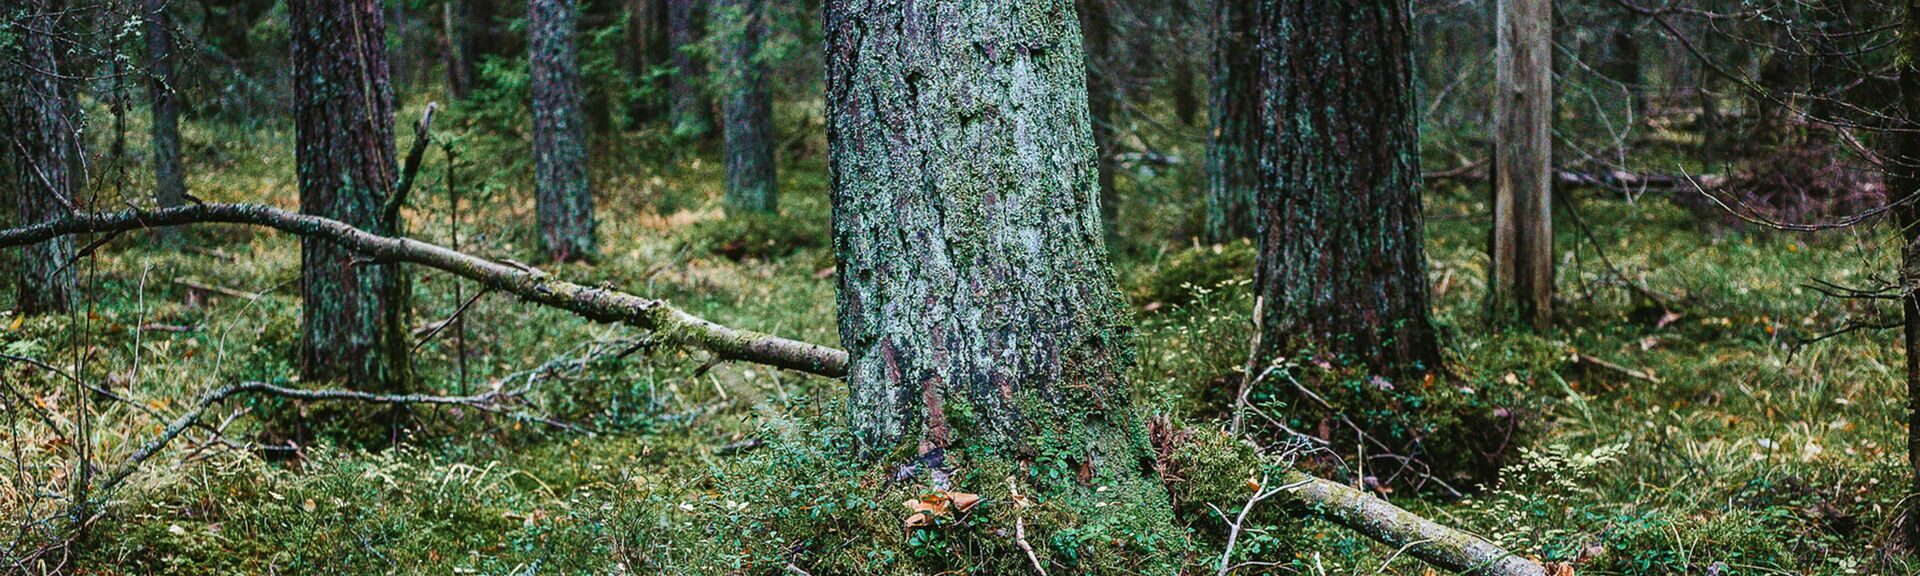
column 1756, row 451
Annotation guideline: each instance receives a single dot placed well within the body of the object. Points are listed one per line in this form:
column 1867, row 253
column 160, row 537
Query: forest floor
column 1737, row 451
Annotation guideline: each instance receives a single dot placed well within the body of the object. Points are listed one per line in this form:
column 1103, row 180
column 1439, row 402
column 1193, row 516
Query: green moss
column 1203, row 268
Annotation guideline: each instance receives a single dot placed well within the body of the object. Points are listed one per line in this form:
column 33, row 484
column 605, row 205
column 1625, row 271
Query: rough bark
column 353, row 313
column 1341, row 268
column 1521, row 284
column 170, row 187
column 44, row 151
column 562, row 198
column 1234, row 111
column 687, row 108
column 1903, row 180
column 748, row 106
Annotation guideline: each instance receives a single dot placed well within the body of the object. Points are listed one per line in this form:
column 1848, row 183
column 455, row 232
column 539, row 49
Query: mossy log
column 1443, row 547
column 671, row 324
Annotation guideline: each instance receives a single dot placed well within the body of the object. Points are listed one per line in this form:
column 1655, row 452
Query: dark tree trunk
column 688, row 110
column 749, row 109
column 976, row 301
column 1097, row 27
column 1341, row 267
column 598, row 109
column 170, row 187
column 455, row 48
column 1186, row 97
column 353, row 318
column 44, row 151
column 1234, row 112
column 1624, row 64
column 1903, row 180
column 1520, row 282
column 647, row 31
column 563, row 199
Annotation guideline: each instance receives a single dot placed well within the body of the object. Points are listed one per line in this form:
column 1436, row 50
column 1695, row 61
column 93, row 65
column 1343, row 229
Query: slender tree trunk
column 647, row 31
column 170, row 187
column 1521, row 287
column 1234, row 111
column 688, row 110
column 1341, row 268
column 1186, row 97
column 44, row 153
column 1097, row 27
column 749, row 109
column 353, row 317
column 1903, row 180
column 563, row 199
column 454, row 49
column 980, row 313
column 1625, row 65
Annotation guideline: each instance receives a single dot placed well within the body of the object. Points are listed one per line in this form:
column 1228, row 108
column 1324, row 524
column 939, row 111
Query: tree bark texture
column 1341, row 269
column 562, row 196
column 1903, row 180
column 748, row 107
column 1521, row 287
column 687, row 107
column 170, row 187
column 979, row 310
column 1234, row 112
column 44, row 151
column 353, row 313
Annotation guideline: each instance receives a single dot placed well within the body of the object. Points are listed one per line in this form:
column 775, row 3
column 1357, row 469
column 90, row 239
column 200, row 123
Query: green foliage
column 1190, row 272
column 754, row 235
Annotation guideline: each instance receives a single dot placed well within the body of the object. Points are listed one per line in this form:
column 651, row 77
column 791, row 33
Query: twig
column 390, row 213
column 1623, row 370
column 242, row 294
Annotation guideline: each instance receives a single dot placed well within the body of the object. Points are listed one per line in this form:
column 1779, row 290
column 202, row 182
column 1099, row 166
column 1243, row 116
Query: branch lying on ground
column 671, row 324
column 1438, row 545
column 1611, row 179
column 1424, row 539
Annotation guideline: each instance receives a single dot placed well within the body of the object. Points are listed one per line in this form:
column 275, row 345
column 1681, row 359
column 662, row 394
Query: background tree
column 1341, row 267
column 1234, row 97
column 170, row 187
column 748, row 105
column 1096, row 28
column 1520, row 289
column 688, row 110
column 353, row 315
column 1903, row 179
column 44, row 150
column 980, row 313
column 563, row 199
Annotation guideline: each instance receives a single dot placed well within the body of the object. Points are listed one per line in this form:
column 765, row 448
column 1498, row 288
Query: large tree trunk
column 687, row 108
column 562, row 197
column 1520, row 290
column 748, row 104
column 1097, row 27
column 1903, row 180
column 1341, row 267
column 1234, row 111
column 170, row 187
column 44, row 151
column 980, row 313
column 353, row 317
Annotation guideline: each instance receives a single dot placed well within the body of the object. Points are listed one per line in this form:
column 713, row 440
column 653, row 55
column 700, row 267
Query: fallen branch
column 221, row 290
column 1447, row 548
column 1617, row 368
column 672, row 325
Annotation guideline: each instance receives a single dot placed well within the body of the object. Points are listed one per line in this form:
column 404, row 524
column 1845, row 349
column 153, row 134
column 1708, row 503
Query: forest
column 960, row 287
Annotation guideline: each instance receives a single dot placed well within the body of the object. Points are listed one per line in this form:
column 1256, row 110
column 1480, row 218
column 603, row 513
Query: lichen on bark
column 979, row 310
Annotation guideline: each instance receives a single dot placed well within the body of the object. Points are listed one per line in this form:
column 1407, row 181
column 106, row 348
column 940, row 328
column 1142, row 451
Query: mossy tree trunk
column 1520, row 286
column 1341, row 266
column 353, row 313
column 44, row 153
column 170, row 187
column 562, row 198
column 1903, row 180
column 748, row 106
column 687, row 108
column 1234, row 112
column 976, row 302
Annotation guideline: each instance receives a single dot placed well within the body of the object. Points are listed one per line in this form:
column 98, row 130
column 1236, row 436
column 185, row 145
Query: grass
column 1752, row 455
